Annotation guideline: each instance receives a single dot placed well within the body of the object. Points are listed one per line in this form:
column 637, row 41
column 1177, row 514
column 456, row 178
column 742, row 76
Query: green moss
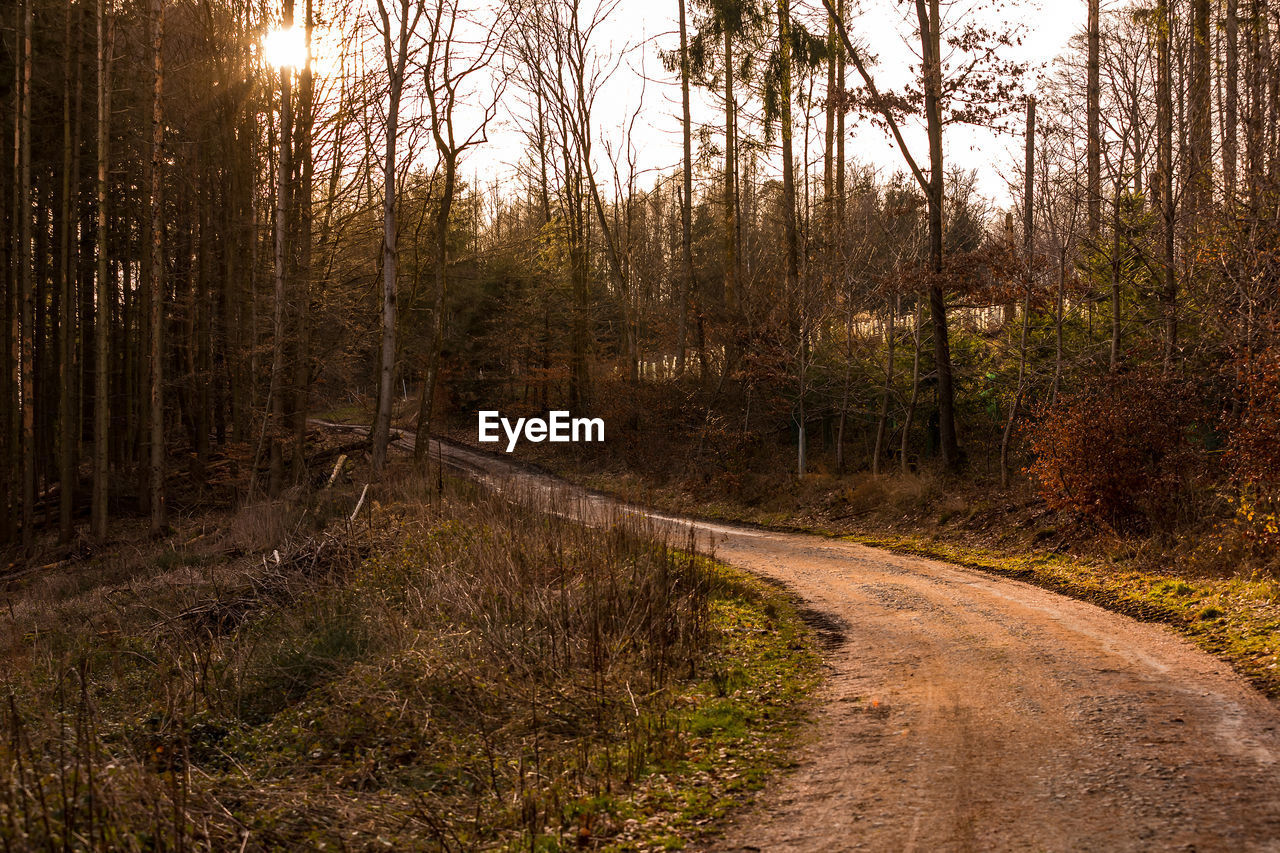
column 739, row 721
column 1179, row 588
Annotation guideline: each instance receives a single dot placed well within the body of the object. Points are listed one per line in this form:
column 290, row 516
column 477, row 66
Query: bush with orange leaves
column 1254, row 449
column 1120, row 451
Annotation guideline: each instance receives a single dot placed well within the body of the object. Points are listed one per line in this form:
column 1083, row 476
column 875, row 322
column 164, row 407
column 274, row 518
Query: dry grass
column 444, row 672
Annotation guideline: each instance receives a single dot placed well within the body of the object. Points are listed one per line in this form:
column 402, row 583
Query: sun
column 285, row 48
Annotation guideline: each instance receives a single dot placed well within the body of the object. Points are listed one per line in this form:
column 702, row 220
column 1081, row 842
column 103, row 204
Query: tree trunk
column 909, row 415
column 1028, row 230
column 1271, row 83
column 102, row 316
column 1164, row 119
column 792, row 268
column 303, row 273
column 66, row 299
column 882, row 422
column 156, row 276
column 449, row 160
column 1254, row 124
column 396, row 56
column 930, row 44
column 283, row 251
column 1093, row 123
column 205, row 383
column 730, row 178
column 580, row 367
column 829, row 148
column 386, row 370
column 686, row 199
column 1116, row 225
column 839, row 168
column 1059, row 315
column 26, row 346
column 10, row 509
column 1231, row 102
column 1200, row 154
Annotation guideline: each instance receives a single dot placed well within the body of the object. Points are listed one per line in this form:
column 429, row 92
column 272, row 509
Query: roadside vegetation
column 1143, row 533
column 444, row 671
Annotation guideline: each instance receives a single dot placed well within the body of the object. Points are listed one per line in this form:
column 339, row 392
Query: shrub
column 1119, row 451
column 1253, row 451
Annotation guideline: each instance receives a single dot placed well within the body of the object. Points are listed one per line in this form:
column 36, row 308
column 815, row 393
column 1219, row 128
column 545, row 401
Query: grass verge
column 737, row 723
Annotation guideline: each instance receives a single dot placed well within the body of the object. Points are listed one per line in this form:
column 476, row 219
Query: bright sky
column 878, row 24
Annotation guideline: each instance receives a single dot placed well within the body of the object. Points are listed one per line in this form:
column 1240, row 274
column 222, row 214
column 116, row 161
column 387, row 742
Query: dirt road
column 969, row 712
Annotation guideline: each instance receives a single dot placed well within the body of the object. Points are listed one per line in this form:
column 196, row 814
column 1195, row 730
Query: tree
column 155, row 275
column 1028, row 230
column 102, row 320
column 1163, row 24
column 397, row 48
column 686, row 196
column 303, row 222
column 931, row 69
column 791, row 241
column 728, row 24
column 1093, row 126
column 26, row 288
column 992, row 79
column 1231, row 103
column 67, row 438
column 446, row 72
column 555, row 44
column 1200, row 139
column 284, row 201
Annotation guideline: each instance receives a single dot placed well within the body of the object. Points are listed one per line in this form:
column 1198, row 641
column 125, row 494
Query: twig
column 337, row 467
column 360, row 502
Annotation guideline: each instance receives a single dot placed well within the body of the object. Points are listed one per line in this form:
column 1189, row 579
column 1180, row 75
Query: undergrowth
column 445, row 672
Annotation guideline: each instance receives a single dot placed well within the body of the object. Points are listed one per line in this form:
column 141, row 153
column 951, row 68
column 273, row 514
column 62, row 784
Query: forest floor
column 967, row 711
column 439, row 670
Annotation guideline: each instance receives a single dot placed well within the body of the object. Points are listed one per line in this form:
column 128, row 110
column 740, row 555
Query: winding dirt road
column 969, row 712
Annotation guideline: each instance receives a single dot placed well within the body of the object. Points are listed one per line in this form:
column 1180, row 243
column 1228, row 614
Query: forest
column 203, row 249
column 259, row 256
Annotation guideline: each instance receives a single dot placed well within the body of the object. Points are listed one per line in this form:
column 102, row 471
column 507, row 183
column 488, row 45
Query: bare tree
column 282, row 249
column 1200, row 137
column 929, row 31
column 560, row 60
column 398, row 46
column 451, row 61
